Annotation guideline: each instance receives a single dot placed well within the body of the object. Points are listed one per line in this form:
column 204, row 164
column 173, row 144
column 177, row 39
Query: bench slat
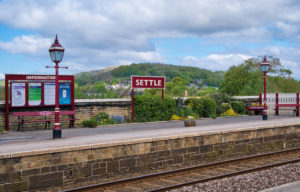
column 41, row 113
column 287, row 105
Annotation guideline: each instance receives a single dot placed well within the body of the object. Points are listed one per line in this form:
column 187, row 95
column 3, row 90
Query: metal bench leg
column 22, row 125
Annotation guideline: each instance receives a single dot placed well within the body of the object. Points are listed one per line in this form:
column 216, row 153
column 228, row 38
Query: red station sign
column 147, row 82
column 152, row 82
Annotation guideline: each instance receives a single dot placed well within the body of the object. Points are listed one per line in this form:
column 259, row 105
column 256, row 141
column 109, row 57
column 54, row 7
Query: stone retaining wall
column 73, row 166
column 84, row 109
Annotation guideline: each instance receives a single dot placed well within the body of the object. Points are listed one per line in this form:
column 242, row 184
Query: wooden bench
column 296, row 109
column 258, row 109
column 45, row 114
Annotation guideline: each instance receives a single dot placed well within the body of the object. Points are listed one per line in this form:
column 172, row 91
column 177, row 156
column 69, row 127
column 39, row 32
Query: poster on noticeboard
column 18, row 94
column 34, row 94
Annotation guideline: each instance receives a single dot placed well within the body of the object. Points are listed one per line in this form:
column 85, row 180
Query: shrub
column 89, row 123
column 196, row 105
column 103, row 119
column 209, row 106
column 238, row 107
column 220, row 98
column 184, row 111
column 225, row 107
column 153, row 108
column 118, row 119
column 176, row 117
column 230, row 112
column 204, row 107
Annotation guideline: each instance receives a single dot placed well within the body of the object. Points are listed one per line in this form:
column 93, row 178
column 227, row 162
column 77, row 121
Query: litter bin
column 265, row 116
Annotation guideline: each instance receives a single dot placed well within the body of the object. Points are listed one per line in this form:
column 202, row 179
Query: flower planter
column 190, row 123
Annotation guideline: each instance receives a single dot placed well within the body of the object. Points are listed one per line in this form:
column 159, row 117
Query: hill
column 189, row 74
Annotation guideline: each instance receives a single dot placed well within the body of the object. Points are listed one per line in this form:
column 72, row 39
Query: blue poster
column 64, row 93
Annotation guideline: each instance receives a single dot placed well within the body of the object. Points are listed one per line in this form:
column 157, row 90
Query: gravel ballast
column 255, row 181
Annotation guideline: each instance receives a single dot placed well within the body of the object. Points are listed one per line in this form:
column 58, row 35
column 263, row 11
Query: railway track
column 168, row 180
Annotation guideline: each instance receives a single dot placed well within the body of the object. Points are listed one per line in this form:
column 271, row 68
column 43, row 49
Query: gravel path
column 251, row 181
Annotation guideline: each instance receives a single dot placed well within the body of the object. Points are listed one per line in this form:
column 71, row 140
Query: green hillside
column 2, row 83
column 189, row 74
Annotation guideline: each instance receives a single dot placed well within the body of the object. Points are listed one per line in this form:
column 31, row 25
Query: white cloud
column 215, row 62
column 31, row 45
column 1, row 76
column 101, row 33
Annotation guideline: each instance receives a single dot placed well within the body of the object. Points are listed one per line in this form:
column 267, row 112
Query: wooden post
column 6, row 105
column 297, row 108
column 260, row 98
column 163, row 94
column 276, row 108
column 132, row 105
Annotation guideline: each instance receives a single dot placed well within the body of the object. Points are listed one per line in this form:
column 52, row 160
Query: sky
column 210, row 34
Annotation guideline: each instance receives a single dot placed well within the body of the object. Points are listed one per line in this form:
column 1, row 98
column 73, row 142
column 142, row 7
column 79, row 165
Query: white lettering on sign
column 147, row 82
column 34, row 77
column 142, row 82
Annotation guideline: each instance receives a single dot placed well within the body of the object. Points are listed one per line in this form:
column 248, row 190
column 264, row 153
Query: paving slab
column 76, row 138
column 289, row 187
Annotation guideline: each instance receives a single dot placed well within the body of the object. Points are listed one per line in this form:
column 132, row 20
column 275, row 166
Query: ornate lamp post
column 56, row 53
column 265, row 65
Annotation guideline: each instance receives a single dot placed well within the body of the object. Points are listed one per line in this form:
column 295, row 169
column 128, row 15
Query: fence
column 283, row 98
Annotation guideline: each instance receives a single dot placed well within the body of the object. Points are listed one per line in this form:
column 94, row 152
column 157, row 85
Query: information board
column 18, row 94
column 34, row 94
column 49, row 93
column 64, row 93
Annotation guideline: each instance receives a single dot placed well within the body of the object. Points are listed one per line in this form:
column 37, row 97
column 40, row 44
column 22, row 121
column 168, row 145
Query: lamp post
column 265, row 65
column 56, row 53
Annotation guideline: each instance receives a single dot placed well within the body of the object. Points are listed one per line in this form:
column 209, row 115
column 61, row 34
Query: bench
column 296, row 109
column 258, row 109
column 46, row 114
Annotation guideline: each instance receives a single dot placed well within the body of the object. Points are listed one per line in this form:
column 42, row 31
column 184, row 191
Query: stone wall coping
column 138, row 141
column 83, row 101
column 78, row 101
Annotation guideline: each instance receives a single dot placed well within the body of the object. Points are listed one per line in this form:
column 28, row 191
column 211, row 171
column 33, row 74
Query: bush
column 89, row 123
column 153, row 108
column 209, row 106
column 103, row 119
column 184, row 111
column 204, row 107
column 220, row 98
column 238, row 107
column 225, row 107
column 230, row 112
column 196, row 105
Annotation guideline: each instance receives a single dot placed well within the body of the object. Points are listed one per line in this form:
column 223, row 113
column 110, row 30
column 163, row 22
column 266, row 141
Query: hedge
column 204, row 107
column 220, row 98
column 153, row 108
column 238, row 106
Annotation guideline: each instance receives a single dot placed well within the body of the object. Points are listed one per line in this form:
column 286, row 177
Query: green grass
column 2, row 83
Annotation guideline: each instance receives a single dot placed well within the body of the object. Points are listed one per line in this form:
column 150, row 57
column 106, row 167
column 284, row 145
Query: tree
column 176, row 87
column 247, row 79
column 237, row 77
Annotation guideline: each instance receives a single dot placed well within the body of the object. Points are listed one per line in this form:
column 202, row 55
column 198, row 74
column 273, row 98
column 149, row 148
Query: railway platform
column 289, row 187
column 18, row 142
column 32, row 160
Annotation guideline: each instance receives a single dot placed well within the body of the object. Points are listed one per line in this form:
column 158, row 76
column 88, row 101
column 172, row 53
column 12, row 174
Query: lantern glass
column 52, row 55
column 59, row 55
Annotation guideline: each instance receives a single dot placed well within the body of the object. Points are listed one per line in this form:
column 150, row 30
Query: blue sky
column 96, row 34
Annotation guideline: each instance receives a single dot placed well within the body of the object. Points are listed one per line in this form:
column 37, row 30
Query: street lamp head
column 56, row 51
column 265, row 65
